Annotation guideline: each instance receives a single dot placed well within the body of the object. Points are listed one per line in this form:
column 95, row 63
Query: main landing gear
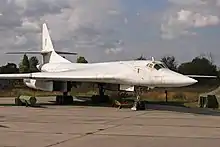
column 138, row 104
column 64, row 99
column 101, row 98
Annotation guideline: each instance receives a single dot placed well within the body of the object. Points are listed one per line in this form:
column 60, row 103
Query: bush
column 179, row 96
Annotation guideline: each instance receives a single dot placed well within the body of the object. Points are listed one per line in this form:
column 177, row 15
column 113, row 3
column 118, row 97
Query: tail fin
column 47, row 45
column 48, row 52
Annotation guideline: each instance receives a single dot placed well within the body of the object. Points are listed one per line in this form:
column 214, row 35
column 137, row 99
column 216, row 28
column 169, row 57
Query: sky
column 109, row 30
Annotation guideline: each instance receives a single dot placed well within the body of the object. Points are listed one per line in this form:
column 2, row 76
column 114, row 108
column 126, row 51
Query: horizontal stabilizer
column 40, row 52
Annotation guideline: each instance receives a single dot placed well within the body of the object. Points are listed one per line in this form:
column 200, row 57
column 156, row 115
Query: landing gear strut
column 138, row 104
column 64, row 99
column 101, row 91
column 101, row 98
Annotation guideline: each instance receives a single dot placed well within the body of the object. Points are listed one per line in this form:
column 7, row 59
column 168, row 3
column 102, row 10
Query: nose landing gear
column 101, row 98
column 138, row 104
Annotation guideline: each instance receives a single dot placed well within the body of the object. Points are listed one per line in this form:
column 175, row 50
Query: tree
column 81, row 59
column 170, row 62
column 219, row 73
column 141, row 58
column 24, row 66
column 9, row 68
column 33, row 62
column 198, row 66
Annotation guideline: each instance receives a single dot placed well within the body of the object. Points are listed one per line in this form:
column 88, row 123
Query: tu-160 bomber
column 59, row 74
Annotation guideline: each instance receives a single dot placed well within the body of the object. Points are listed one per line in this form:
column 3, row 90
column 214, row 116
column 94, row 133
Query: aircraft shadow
column 151, row 106
column 39, row 105
column 182, row 109
column 3, row 126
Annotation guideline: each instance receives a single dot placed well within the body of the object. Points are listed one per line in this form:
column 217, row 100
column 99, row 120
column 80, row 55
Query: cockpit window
column 150, row 65
column 162, row 65
column 157, row 66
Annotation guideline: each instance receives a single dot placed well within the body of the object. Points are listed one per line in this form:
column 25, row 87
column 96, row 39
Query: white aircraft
column 59, row 74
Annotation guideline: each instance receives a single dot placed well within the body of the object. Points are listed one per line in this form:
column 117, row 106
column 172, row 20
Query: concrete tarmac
column 82, row 126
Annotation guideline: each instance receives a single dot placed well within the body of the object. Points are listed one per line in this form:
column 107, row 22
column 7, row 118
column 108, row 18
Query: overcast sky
column 107, row 30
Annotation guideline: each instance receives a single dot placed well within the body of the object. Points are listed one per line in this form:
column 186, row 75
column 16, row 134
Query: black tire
column 33, row 100
column 59, row 99
column 105, row 99
column 95, row 98
column 18, row 102
column 68, row 100
column 141, row 105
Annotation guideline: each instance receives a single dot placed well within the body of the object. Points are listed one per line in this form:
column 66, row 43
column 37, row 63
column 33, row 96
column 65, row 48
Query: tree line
column 200, row 65
column 28, row 65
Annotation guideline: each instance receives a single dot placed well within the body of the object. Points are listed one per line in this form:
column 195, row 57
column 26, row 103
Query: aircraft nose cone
column 189, row 81
column 182, row 80
column 178, row 80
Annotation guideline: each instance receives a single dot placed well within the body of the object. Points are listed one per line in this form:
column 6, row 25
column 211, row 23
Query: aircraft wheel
column 139, row 105
column 59, row 99
column 105, row 99
column 18, row 102
column 64, row 100
column 68, row 99
column 95, row 98
column 33, row 100
column 99, row 99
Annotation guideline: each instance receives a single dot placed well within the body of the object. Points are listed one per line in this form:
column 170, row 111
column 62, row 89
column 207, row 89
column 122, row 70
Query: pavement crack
column 81, row 136
column 160, row 136
column 97, row 131
column 3, row 126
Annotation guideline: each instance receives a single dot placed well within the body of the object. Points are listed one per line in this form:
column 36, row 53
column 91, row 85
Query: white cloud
column 113, row 12
column 20, row 40
column 188, row 2
column 28, row 25
column 193, row 19
column 113, row 50
column 179, row 23
column 125, row 20
column 77, row 25
column 196, row 2
column 95, row 28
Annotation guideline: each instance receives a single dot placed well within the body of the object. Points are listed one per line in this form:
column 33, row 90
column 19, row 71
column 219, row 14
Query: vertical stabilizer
column 48, row 52
column 47, row 45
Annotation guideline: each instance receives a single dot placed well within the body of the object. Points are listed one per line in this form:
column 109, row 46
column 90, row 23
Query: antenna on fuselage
column 152, row 58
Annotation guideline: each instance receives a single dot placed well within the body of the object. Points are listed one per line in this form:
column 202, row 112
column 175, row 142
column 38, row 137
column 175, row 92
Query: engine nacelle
column 48, row 85
column 39, row 84
column 118, row 87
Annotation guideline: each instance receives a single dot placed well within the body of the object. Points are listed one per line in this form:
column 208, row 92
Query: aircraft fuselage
column 132, row 72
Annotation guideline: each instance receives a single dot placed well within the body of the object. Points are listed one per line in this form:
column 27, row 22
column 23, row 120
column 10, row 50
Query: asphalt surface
column 83, row 126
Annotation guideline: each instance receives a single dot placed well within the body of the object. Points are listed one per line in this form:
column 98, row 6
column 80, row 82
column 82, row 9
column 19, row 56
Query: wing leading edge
column 56, row 76
column 97, row 73
column 67, row 76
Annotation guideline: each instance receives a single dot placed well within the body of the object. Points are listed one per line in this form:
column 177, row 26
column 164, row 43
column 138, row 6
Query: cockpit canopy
column 156, row 65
